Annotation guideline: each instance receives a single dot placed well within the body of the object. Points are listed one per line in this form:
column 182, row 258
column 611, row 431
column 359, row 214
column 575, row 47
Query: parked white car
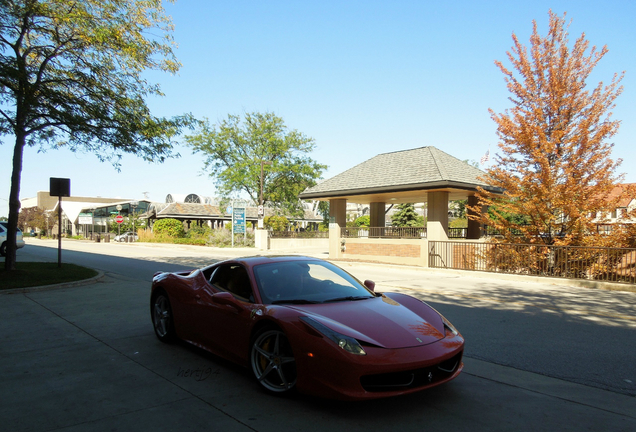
column 127, row 236
column 4, row 228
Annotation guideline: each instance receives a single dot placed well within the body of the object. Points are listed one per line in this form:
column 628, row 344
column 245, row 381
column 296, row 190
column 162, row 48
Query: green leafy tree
column 323, row 210
column 169, row 227
column 234, row 150
column 406, row 216
column 71, row 75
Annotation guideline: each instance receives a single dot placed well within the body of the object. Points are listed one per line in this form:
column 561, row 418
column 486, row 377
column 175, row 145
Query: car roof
column 261, row 259
column 6, row 225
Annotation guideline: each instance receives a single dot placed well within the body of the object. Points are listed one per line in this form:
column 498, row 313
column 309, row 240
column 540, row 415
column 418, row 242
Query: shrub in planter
column 276, row 223
column 168, row 227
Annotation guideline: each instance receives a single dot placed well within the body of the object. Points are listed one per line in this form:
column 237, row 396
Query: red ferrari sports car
column 304, row 324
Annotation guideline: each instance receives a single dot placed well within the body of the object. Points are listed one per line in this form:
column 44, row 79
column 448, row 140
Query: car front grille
column 413, row 378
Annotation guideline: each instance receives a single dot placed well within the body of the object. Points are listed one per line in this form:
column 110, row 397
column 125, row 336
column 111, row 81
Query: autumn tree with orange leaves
column 554, row 159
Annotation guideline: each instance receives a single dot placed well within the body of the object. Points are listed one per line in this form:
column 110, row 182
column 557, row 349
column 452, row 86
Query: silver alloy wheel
column 273, row 361
column 162, row 316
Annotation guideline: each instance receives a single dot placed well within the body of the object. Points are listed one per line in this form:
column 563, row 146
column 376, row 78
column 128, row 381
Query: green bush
column 276, row 223
column 458, row 223
column 223, row 238
column 168, row 227
column 363, row 221
column 189, row 241
column 199, row 232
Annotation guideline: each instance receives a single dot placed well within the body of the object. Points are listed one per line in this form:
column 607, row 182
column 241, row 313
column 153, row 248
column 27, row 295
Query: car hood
column 379, row 321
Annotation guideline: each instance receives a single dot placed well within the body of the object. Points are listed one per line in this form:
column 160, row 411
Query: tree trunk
column 14, row 201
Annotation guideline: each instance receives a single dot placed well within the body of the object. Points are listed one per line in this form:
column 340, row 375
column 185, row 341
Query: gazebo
column 421, row 175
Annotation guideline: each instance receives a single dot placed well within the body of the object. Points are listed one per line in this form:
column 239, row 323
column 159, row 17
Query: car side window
column 233, row 278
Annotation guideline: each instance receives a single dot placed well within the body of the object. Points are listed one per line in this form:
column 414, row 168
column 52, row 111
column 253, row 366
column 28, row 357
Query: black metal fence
column 383, row 232
column 457, row 233
column 573, row 262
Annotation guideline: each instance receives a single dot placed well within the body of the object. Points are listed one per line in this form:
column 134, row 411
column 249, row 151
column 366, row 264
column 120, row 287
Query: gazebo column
column 474, row 226
column 377, row 214
column 338, row 212
column 437, row 221
column 337, row 220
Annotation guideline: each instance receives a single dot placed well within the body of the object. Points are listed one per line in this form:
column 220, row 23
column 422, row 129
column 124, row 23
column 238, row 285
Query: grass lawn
column 30, row 274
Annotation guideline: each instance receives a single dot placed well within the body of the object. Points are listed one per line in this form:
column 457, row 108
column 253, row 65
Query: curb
column 73, row 284
column 579, row 393
column 602, row 285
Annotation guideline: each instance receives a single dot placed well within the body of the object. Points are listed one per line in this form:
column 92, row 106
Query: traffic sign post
column 59, row 187
column 261, row 215
column 119, row 219
column 238, row 220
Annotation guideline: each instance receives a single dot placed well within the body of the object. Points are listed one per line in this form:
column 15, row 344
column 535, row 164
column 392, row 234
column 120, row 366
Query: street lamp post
column 134, row 205
column 261, row 209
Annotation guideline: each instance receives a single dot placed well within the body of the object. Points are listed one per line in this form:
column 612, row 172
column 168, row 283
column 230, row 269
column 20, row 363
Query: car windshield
column 307, row 282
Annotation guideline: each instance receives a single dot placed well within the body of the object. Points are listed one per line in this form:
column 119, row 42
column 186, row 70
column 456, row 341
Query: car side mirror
column 370, row 284
column 224, row 298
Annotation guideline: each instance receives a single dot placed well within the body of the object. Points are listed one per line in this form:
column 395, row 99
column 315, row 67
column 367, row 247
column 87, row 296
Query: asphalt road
column 538, row 356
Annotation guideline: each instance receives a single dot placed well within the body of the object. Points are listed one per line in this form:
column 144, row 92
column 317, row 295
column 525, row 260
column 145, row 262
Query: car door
column 224, row 310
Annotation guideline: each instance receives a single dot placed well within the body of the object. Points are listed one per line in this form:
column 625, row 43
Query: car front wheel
column 162, row 319
column 273, row 362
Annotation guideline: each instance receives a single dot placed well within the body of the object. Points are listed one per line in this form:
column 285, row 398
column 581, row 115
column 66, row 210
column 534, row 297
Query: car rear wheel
column 3, row 249
column 162, row 319
column 272, row 361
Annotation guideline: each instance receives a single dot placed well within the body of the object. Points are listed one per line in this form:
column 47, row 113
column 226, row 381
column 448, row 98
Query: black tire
column 162, row 319
column 272, row 361
column 3, row 249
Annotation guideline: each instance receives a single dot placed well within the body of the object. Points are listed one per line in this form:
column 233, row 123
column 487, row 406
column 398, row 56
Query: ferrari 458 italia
column 304, row 324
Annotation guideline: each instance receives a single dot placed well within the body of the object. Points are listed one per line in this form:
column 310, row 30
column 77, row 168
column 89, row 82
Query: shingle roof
column 619, row 190
column 421, row 167
column 206, row 211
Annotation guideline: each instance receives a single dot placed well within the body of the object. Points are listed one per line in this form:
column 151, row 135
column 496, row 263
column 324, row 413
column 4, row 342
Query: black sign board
column 60, row 187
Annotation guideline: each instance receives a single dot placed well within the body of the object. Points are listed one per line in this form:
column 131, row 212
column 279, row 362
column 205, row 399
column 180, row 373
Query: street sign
column 238, row 220
column 59, row 187
column 119, row 219
column 85, row 219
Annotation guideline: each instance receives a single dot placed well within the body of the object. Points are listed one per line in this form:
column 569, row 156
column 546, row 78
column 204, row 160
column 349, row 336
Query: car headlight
column 345, row 342
column 448, row 327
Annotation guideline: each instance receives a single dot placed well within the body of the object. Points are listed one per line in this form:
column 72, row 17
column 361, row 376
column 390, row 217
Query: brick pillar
column 474, row 226
column 338, row 212
column 437, row 222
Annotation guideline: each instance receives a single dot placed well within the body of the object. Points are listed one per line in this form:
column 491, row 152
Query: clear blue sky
column 360, row 77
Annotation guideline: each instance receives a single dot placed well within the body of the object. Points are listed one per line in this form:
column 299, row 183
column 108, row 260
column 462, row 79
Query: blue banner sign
column 238, row 220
